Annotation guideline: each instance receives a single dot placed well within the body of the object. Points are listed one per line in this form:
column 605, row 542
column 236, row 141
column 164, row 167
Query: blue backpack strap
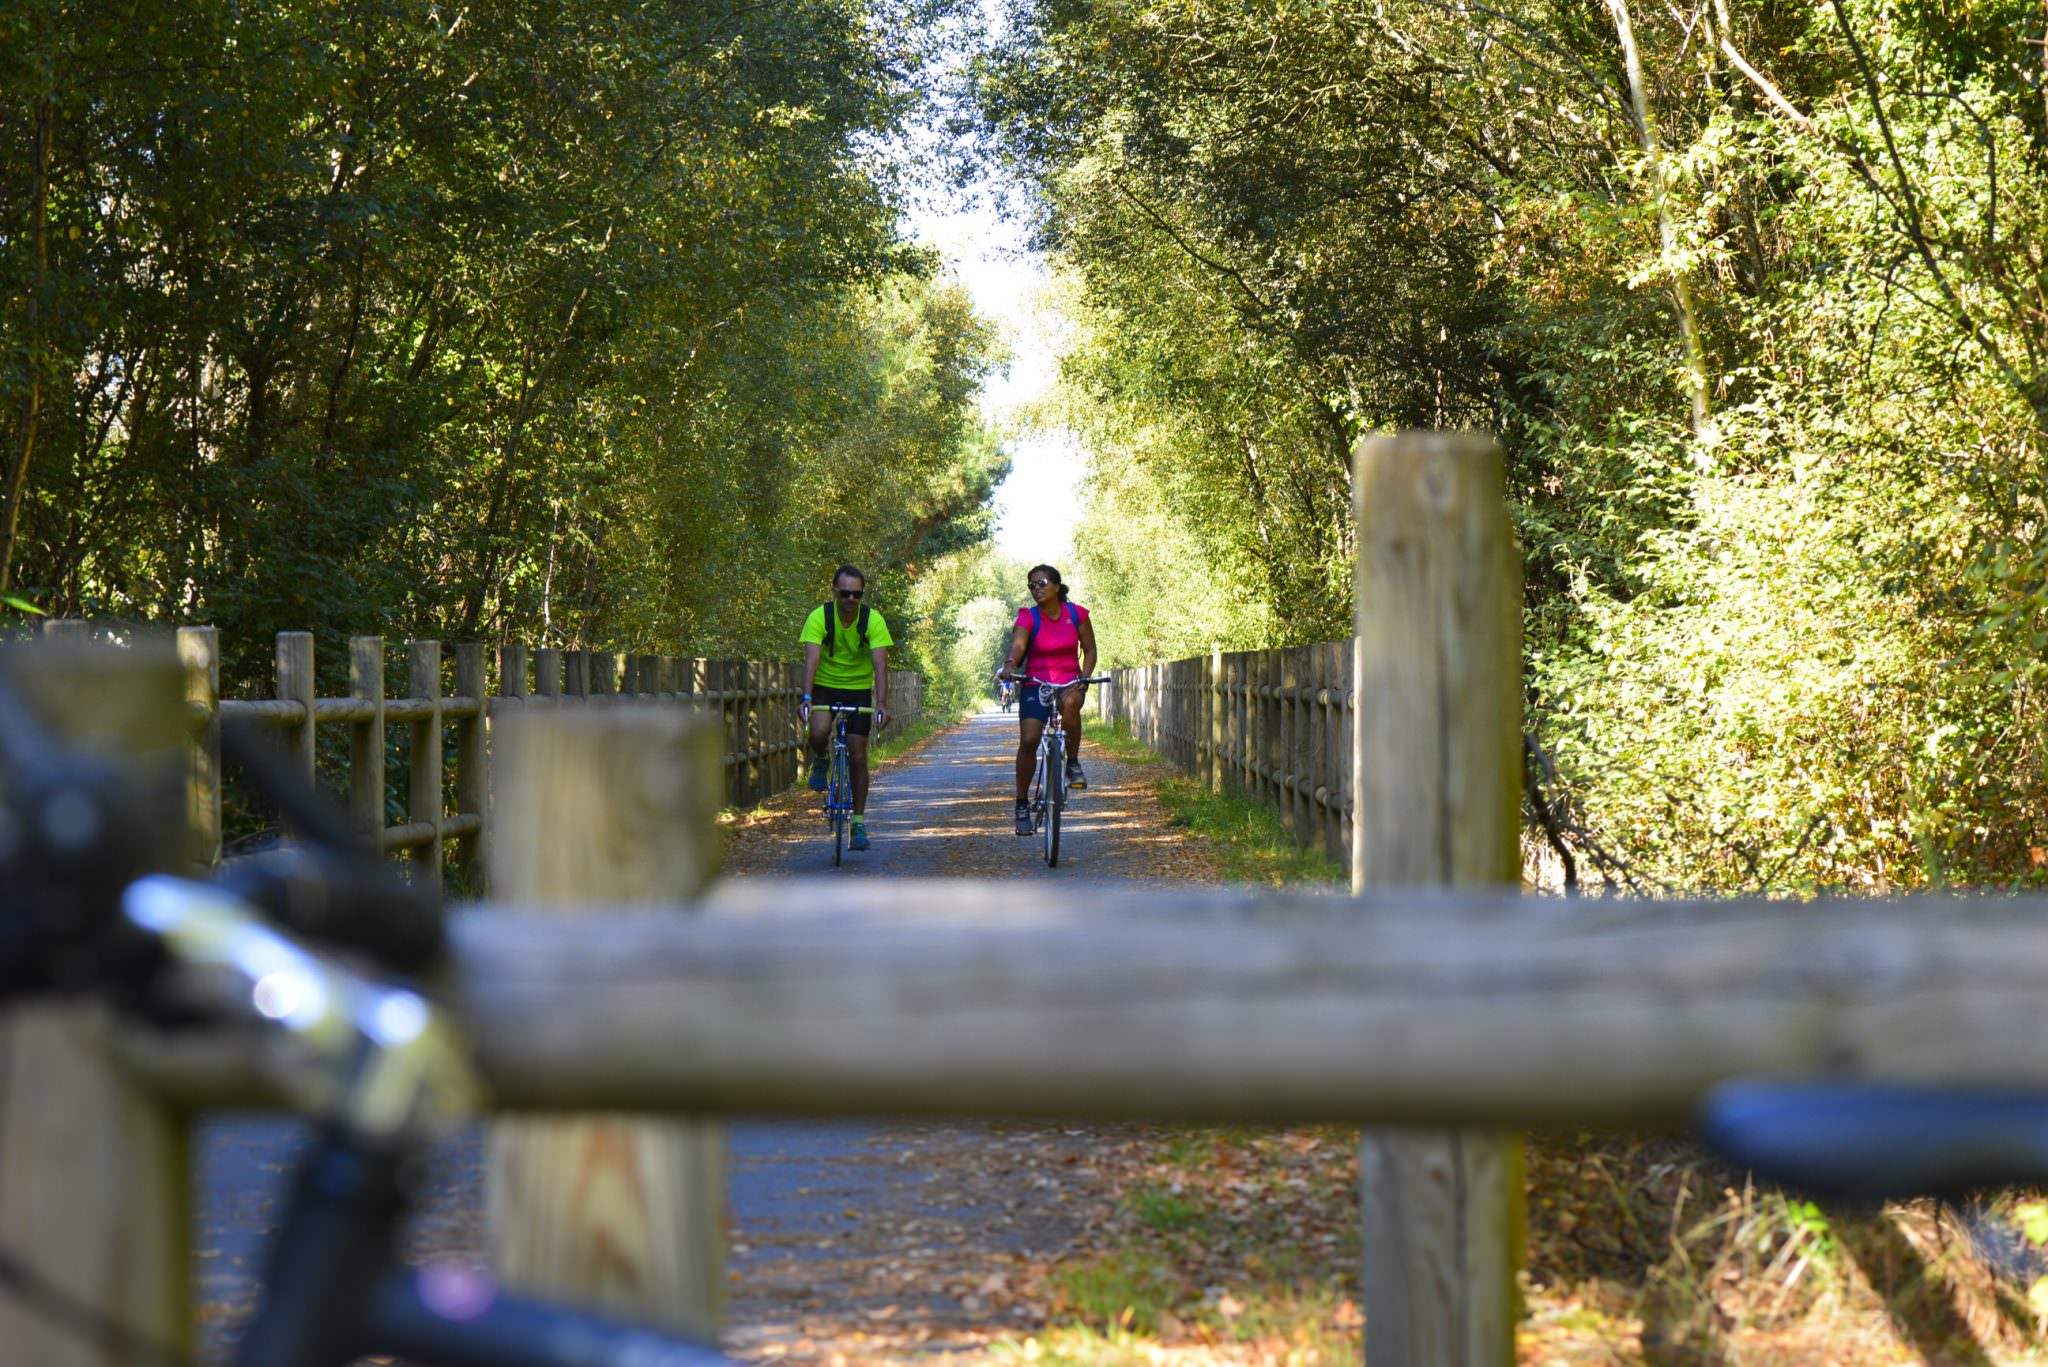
column 1037, row 621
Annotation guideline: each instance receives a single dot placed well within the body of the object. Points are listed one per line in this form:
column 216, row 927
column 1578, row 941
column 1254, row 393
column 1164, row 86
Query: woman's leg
column 1070, row 714
column 1028, row 732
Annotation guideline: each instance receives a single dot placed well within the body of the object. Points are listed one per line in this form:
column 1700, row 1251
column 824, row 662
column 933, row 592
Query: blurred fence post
column 1436, row 765
column 94, row 1187
column 594, row 807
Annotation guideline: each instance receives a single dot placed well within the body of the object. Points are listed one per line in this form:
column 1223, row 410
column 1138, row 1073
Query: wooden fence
column 1274, row 724
column 1437, row 996
column 447, row 717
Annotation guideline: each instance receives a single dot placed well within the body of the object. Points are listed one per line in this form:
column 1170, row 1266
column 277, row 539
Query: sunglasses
column 1037, row 584
column 851, row 593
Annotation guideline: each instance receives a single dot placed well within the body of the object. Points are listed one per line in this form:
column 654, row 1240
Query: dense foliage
column 580, row 322
column 1756, row 295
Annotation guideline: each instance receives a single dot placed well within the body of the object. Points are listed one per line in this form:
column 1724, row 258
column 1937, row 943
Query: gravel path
column 856, row 1239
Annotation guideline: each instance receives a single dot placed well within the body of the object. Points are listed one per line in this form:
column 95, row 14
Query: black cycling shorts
column 1031, row 709
column 857, row 723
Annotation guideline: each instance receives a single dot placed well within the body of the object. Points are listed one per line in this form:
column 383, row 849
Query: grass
column 1246, row 837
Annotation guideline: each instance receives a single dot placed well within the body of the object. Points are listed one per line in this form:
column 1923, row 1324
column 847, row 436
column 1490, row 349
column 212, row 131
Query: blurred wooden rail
column 955, row 998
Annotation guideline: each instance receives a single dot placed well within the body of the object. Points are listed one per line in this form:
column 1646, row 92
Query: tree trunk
column 1681, row 290
column 32, row 333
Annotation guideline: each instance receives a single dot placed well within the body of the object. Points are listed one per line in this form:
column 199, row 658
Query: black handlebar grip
column 343, row 901
column 1869, row 1143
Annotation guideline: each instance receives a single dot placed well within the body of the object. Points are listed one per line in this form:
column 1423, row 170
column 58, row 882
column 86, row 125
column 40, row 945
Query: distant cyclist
column 846, row 656
column 1054, row 641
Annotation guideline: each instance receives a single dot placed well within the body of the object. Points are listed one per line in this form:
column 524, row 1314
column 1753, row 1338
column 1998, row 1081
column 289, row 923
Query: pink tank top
column 1055, row 653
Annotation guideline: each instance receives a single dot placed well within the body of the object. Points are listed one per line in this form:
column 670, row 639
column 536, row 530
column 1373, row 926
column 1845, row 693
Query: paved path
column 819, row 1210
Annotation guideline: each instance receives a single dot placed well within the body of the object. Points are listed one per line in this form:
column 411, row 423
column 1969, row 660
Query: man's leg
column 820, row 741
column 857, row 765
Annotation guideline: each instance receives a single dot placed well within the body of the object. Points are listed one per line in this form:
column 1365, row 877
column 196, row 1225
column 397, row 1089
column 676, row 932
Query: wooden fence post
column 199, row 652
column 1437, row 765
column 94, row 1185
column 547, row 672
column 592, row 808
column 366, row 740
column 472, row 779
column 576, row 673
column 296, row 683
column 511, row 670
column 423, row 680
column 1301, row 812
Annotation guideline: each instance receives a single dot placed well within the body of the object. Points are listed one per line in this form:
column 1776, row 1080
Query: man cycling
column 846, row 663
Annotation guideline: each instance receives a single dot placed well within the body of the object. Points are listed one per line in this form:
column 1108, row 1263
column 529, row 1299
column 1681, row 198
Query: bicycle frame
column 839, row 788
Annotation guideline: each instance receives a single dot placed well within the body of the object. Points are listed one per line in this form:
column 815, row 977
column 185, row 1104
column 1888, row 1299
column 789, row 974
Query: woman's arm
column 1087, row 631
column 1019, row 634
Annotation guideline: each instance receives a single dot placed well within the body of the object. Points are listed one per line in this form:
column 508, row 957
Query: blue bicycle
column 839, row 784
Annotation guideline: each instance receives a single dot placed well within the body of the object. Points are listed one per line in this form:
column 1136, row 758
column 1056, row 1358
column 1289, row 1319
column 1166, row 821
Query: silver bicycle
column 1049, row 778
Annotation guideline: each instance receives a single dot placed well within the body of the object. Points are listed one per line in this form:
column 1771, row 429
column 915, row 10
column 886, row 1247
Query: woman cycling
column 1054, row 641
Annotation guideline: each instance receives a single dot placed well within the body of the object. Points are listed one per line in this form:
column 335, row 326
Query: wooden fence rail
column 756, row 702
column 1274, row 724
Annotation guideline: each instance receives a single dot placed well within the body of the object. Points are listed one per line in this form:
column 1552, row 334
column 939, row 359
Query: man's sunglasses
column 851, row 593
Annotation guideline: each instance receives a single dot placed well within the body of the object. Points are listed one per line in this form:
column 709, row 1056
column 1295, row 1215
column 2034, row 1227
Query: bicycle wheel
column 842, row 803
column 1055, row 799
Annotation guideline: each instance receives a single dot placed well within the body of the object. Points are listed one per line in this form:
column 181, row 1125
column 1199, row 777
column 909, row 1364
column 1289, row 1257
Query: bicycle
column 1049, row 777
column 839, row 785
column 381, row 1066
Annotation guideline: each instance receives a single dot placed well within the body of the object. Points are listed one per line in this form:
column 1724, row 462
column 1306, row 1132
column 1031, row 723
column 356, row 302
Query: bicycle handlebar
column 1048, row 683
column 1867, row 1142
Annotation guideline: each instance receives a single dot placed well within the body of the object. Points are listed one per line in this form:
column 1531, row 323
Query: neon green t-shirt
column 847, row 664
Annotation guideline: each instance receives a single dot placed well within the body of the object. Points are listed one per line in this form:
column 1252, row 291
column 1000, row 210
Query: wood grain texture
column 1436, row 768
column 624, row 1215
column 93, row 1187
column 1463, row 1006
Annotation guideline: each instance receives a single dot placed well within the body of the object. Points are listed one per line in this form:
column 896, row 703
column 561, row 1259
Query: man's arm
column 812, row 652
column 880, row 655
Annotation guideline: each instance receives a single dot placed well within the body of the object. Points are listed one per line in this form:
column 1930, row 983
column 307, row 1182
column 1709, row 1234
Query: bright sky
column 1037, row 505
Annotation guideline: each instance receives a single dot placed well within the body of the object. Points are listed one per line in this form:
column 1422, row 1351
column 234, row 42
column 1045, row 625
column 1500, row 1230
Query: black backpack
column 832, row 620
